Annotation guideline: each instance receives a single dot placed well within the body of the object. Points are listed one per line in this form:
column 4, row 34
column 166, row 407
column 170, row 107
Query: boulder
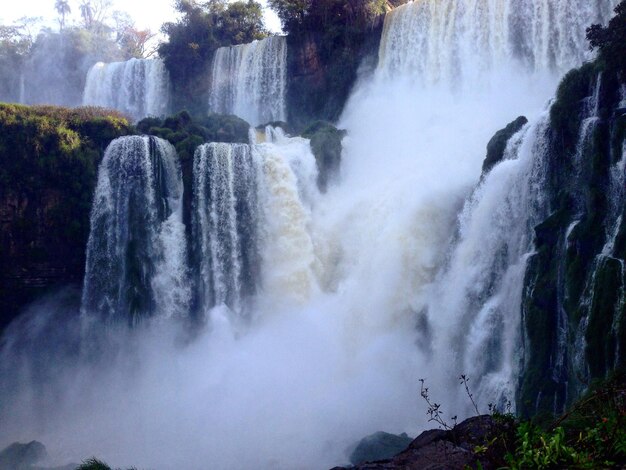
column 497, row 144
column 378, row 446
column 443, row 449
column 22, row 456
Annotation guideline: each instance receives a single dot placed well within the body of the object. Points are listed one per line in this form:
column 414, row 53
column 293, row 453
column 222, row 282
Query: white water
column 249, row 81
column 137, row 87
column 468, row 41
column 332, row 352
column 136, row 248
column 225, row 213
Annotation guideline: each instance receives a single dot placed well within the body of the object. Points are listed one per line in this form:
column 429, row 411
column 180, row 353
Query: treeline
column 194, row 38
column 339, row 30
column 300, row 15
column 41, row 65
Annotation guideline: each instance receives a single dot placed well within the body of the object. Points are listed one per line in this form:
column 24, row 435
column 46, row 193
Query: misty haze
column 229, row 244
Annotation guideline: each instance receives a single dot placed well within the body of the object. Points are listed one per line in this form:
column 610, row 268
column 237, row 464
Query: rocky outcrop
column 440, row 449
column 497, row 144
column 48, row 162
column 26, row 457
column 379, row 446
column 574, row 288
column 22, row 456
column 326, row 146
column 323, row 67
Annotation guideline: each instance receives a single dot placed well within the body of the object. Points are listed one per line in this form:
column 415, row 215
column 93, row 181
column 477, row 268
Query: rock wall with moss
column 324, row 66
column 48, row 162
column 574, row 329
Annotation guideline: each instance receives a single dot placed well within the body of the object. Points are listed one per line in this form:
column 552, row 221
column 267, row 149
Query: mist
column 355, row 301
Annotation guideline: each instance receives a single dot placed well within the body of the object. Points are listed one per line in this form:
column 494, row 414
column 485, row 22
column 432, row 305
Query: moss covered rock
column 326, row 146
column 48, row 162
column 497, row 144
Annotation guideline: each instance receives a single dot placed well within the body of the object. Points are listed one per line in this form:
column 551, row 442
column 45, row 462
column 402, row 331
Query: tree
column 611, row 40
column 320, row 15
column 203, row 28
column 240, row 22
column 63, row 9
column 134, row 42
column 86, row 13
column 290, row 12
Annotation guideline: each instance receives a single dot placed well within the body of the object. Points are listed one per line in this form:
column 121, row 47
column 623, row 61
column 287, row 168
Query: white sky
column 146, row 13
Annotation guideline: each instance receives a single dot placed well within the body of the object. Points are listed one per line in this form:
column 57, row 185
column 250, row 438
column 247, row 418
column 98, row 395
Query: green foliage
column 186, row 133
column 95, row 464
column 342, row 36
column 290, row 12
column 193, row 39
column 540, row 450
column 591, row 435
column 566, row 110
column 240, row 22
column 322, row 15
column 611, row 40
column 48, row 163
column 326, row 146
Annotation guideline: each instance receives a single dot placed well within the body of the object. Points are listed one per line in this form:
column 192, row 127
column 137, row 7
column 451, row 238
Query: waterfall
column 287, row 192
column 136, row 249
column 249, row 221
column 320, row 306
column 225, row 223
column 477, row 300
column 249, row 80
column 137, row 87
column 462, row 41
column 22, row 94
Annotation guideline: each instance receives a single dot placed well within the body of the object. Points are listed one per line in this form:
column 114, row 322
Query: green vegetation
column 565, row 113
column 611, row 40
column 187, row 133
column 48, row 164
column 15, row 42
column 95, row 464
column 193, row 40
column 591, row 435
column 320, row 15
column 326, row 146
column 571, row 276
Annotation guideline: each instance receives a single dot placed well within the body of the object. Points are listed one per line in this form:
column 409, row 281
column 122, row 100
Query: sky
column 146, row 13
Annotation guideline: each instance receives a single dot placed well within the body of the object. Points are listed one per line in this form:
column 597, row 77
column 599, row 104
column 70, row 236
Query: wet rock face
column 322, row 68
column 48, row 161
column 497, row 144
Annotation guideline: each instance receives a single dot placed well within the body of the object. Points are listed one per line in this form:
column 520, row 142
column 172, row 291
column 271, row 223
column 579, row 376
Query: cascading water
column 225, row 223
column 249, row 80
column 288, row 192
column 466, row 41
column 477, row 300
column 249, row 215
column 138, row 87
column 136, row 249
column 350, row 296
